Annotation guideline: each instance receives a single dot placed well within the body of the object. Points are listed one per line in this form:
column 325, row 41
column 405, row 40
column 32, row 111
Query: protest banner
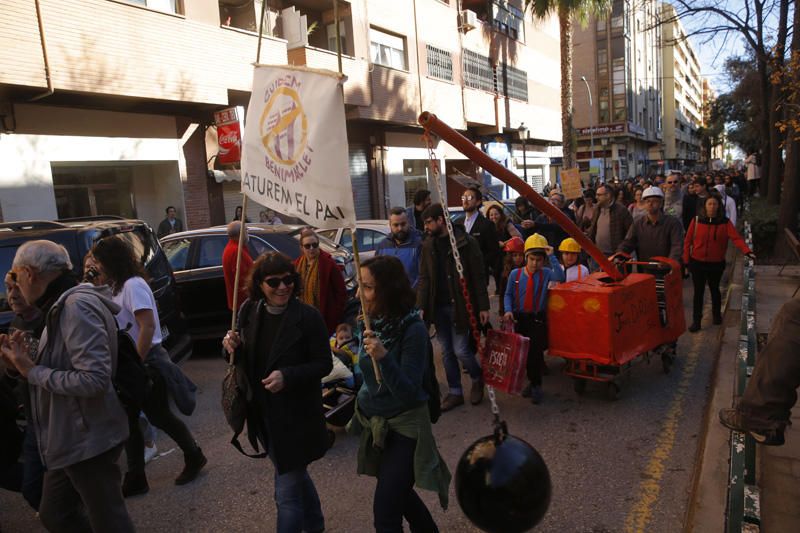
column 295, row 157
column 571, row 183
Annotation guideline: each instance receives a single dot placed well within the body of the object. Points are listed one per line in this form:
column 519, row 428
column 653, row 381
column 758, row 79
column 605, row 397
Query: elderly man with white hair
column 79, row 421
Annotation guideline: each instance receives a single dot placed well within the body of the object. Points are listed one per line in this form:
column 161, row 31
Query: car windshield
column 177, row 252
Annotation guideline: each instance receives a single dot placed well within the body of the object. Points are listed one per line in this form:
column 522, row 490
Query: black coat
column 290, row 422
column 472, row 262
column 485, row 232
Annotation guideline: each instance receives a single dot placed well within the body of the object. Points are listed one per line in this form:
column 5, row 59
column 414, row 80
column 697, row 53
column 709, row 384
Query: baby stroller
column 339, row 390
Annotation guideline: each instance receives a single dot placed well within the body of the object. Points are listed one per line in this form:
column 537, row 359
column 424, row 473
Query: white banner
column 295, row 158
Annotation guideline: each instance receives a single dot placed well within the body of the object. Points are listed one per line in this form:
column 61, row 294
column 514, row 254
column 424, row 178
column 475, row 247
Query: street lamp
column 591, row 122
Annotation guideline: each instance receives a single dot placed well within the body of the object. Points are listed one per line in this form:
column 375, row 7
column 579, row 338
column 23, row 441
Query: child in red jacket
column 704, row 251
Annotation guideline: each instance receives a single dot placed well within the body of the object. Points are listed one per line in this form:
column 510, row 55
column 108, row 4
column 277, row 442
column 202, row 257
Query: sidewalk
column 778, row 468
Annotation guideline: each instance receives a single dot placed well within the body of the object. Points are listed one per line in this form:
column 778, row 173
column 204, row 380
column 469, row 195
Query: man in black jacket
column 441, row 300
column 480, row 228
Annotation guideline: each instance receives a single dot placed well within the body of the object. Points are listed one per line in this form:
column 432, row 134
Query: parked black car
column 196, row 259
column 78, row 236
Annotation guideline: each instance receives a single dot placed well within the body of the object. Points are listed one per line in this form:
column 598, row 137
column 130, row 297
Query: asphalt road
column 624, row 465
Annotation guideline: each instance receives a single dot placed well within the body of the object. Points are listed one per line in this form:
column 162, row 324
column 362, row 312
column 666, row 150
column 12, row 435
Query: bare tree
column 752, row 21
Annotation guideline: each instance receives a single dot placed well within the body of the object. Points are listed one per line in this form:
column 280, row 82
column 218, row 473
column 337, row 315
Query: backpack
column 131, row 380
column 431, row 386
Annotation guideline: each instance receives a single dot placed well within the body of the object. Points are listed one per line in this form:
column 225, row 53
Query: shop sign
column 229, row 136
column 602, row 130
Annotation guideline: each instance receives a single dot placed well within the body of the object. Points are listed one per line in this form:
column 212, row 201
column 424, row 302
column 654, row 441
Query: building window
column 440, row 63
column 509, row 20
column 602, row 105
column 512, row 82
column 330, row 30
column 387, row 49
column 415, row 177
column 602, row 62
column 478, row 71
column 167, row 6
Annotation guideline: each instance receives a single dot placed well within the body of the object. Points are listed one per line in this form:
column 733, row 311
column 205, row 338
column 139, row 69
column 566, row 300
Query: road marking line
column 641, row 511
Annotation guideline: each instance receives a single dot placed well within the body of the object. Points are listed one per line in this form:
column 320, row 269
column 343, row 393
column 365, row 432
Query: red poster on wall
column 229, row 137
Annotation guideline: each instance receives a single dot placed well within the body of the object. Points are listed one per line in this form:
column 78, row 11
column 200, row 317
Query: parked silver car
column 370, row 234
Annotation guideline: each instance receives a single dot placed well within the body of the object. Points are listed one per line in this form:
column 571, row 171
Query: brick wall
column 197, row 184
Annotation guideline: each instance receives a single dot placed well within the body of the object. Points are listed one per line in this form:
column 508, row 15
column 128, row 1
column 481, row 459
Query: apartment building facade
column 683, row 94
column 107, row 105
column 618, row 109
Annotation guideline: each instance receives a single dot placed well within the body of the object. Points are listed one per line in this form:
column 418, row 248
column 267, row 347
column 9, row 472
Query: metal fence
column 743, row 512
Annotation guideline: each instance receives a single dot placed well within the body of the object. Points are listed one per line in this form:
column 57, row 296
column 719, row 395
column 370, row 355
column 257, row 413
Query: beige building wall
column 116, row 48
column 173, row 69
column 683, row 93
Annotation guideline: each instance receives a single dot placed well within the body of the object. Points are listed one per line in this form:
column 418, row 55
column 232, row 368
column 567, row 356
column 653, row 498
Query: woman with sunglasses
column 321, row 280
column 113, row 262
column 397, row 445
column 281, row 346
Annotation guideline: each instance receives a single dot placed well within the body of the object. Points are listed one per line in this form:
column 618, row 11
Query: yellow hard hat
column 536, row 242
column 569, row 245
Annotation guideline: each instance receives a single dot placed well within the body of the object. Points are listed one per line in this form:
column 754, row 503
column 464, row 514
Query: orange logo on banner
column 284, row 127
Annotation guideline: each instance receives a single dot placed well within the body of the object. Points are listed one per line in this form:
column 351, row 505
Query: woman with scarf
column 704, row 250
column 113, row 262
column 321, row 280
column 392, row 417
column 282, row 348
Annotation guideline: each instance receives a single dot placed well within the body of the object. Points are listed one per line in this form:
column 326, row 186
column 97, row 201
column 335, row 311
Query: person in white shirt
column 728, row 202
column 570, row 252
column 117, row 266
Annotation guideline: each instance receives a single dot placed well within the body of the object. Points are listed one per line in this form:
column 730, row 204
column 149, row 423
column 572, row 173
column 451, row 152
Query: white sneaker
column 150, row 452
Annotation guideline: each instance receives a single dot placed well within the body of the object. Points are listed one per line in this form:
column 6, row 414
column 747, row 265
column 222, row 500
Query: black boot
column 695, row 326
column 194, row 462
column 135, row 483
column 717, row 319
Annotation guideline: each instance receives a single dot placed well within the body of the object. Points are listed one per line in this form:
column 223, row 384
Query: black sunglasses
column 287, row 280
column 311, row 245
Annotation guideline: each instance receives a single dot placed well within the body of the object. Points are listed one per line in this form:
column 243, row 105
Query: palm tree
column 567, row 10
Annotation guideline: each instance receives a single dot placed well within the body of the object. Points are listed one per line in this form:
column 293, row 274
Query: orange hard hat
column 514, row 245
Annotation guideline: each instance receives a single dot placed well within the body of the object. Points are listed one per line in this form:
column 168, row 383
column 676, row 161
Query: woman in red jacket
column 321, row 280
column 704, row 251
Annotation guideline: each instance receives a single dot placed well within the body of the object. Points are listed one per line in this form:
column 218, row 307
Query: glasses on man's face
column 467, row 198
column 287, row 280
column 671, row 182
column 310, row 245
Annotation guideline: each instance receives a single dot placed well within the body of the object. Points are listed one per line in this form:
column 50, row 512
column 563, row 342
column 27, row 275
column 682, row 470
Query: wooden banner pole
column 357, row 261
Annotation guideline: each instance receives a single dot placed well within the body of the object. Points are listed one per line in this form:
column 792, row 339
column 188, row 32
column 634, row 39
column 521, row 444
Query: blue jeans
column 298, row 503
column 455, row 348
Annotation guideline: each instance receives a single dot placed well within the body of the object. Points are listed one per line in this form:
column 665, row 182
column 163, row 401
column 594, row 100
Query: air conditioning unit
column 467, row 20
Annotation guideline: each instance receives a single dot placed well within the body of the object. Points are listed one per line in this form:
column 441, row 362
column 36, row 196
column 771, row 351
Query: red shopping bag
column 505, row 357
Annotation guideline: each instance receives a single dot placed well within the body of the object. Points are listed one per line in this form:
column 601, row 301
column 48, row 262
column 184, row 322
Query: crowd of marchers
column 62, row 352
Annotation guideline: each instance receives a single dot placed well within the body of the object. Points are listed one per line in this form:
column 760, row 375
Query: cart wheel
column 331, row 438
column 666, row 362
column 612, row 391
column 579, row 385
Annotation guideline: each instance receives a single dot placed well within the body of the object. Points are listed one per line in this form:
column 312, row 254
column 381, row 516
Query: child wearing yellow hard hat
column 570, row 253
column 525, row 302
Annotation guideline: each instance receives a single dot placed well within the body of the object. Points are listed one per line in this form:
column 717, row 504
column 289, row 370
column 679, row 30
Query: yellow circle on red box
column 591, row 305
column 556, row 302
